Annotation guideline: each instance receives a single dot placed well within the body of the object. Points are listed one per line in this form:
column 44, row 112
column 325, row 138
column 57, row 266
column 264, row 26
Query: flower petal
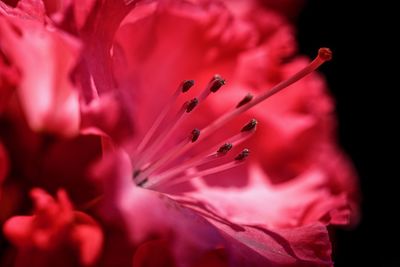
column 42, row 239
column 148, row 214
column 88, row 238
column 109, row 115
column 257, row 246
column 194, row 230
column 45, row 58
column 100, row 20
column 304, row 200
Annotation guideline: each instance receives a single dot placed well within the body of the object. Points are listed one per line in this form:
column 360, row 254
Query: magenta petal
column 32, row 9
column 109, row 115
column 193, row 229
column 301, row 201
column 148, row 214
column 45, row 58
column 97, row 32
column 257, row 246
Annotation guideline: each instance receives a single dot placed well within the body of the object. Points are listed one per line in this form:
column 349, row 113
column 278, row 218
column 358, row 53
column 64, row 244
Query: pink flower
column 102, row 79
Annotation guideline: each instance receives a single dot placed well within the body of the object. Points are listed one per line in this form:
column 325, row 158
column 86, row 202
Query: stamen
column 194, row 162
column 162, row 138
column 191, row 105
column 143, row 182
column 245, row 100
column 167, row 157
column 148, row 175
column 182, row 88
column 324, row 54
column 213, row 86
column 216, row 83
column 223, row 167
column 185, row 145
column 225, row 148
column 195, row 135
column 243, row 155
column 249, row 126
column 186, row 85
column 136, row 173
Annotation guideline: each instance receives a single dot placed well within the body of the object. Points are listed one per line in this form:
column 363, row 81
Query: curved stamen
column 182, row 88
column 147, row 176
column 194, row 162
column 166, row 158
column 249, row 126
column 173, row 154
column 324, row 54
column 239, row 159
column 213, row 86
column 245, row 100
column 163, row 137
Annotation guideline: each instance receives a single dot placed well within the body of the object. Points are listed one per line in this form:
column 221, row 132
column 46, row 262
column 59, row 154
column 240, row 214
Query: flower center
column 149, row 166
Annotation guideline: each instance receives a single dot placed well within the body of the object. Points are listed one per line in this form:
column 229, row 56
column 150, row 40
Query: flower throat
column 149, row 165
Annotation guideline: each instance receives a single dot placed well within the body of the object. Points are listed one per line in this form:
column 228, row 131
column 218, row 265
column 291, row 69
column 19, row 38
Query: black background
column 359, row 79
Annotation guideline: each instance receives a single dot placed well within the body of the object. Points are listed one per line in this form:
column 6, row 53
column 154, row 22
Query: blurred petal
column 41, row 239
column 45, row 58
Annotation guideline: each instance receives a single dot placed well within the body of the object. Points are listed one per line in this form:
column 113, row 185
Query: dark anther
column 136, row 173
column 245, row 100
column 191, row 105
column 142, row 182
column 194, row 135
column 216, row 83
column 243, row 155
column 225, row 148
column 186, row 85
column 249, row 126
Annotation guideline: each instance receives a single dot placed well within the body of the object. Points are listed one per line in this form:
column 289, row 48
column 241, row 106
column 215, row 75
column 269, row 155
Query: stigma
column 156, row 166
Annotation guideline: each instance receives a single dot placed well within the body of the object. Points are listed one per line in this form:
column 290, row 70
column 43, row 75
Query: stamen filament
column 212, row 87
column 196, row 161
column 223, row 167
column 244, row 134
column 161, row 139
column 182, row 88
column 166, row 158
column 189, row 164
column 147, row 169
column 324, row 54
column 245, row 100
